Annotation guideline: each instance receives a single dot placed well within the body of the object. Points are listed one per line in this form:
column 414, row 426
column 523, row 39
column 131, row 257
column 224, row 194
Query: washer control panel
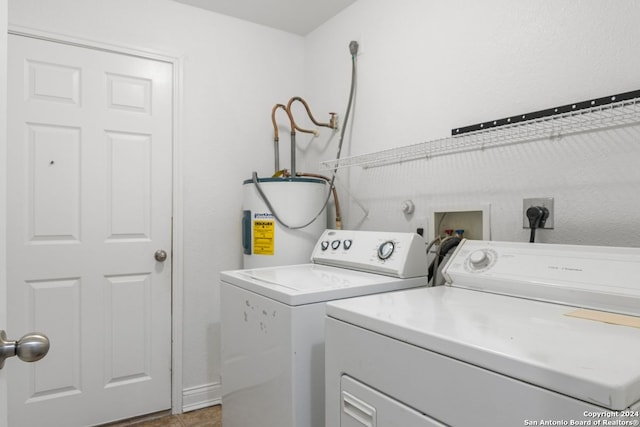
column 400, row 255
column 602, row 278
column 385, row 250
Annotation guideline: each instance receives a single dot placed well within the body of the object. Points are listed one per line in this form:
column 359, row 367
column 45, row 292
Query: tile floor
column 207, row 417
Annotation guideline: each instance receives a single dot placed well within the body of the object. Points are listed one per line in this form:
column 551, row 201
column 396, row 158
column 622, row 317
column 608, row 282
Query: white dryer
column 521, row 335
column 272, row 321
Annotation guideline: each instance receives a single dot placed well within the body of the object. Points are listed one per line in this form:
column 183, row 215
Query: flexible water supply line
column 332, row 124
column 445, row 245
column 276, row 138
column 295, row 127
column 353, row 49
column 336, row 201
column 293, row 151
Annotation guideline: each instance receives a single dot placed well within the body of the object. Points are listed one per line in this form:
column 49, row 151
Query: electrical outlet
column 546, row 202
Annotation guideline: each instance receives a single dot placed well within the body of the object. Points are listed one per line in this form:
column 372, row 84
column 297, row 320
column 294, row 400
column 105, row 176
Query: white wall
column 427, row 67
column 234, row 72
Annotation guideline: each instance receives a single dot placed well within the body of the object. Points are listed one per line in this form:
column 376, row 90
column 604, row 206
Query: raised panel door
column 89, row 202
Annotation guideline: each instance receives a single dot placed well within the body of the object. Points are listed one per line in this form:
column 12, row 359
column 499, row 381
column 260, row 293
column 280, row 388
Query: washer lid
column 310, row 283
column 532, row 341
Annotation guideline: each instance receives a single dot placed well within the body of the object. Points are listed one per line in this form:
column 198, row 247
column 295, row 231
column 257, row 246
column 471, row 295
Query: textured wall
column 427, row 67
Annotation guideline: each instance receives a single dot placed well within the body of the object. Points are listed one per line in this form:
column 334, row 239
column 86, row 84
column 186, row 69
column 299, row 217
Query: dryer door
column 360, row 405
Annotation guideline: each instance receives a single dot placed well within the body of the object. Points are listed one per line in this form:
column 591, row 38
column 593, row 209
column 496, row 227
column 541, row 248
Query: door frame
column 4, row 12
column 177, row 264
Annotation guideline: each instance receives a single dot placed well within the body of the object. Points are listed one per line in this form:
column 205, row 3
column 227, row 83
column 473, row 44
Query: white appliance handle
column 360, row 411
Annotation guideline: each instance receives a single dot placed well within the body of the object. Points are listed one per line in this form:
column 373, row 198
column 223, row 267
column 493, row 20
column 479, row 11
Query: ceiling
column 294, row 16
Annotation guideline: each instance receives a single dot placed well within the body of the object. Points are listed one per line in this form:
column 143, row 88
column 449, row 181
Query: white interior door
column 89, row 203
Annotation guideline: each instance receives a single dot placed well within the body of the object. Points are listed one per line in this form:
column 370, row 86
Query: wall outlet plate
column 547, row 202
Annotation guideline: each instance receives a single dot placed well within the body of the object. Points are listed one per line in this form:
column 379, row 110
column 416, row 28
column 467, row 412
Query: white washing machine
column 521, row 335
column 272, row 321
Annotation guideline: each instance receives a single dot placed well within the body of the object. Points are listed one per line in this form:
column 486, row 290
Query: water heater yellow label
column 263, row 237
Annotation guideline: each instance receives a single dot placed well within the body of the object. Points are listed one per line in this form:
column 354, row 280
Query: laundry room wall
column 426, row 67
column 233, row 73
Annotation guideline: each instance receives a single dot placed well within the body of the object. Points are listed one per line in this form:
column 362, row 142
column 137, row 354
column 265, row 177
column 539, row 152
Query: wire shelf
column 616, row 114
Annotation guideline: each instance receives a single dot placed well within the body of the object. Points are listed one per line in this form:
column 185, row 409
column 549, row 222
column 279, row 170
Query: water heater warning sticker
column 263, row 236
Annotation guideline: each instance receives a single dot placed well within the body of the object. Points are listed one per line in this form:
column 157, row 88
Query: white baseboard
column 201, row 397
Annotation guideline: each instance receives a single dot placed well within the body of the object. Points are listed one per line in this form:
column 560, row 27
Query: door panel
column 89, row 202
column 129, row 186
column 54, row 190
column 55, row 305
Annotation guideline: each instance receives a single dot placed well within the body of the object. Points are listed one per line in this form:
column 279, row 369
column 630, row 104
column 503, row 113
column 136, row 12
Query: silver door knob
column 30, row 348
column 160, row 255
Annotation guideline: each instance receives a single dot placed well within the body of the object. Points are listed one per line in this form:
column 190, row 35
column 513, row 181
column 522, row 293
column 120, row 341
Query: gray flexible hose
column 254, row 175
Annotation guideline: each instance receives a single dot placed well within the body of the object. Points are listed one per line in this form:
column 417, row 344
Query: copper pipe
column 276, row 137
column 332, row 124
column 294, row 127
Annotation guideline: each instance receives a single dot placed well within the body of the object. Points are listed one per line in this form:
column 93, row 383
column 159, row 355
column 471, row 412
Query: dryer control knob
column 479, row 259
